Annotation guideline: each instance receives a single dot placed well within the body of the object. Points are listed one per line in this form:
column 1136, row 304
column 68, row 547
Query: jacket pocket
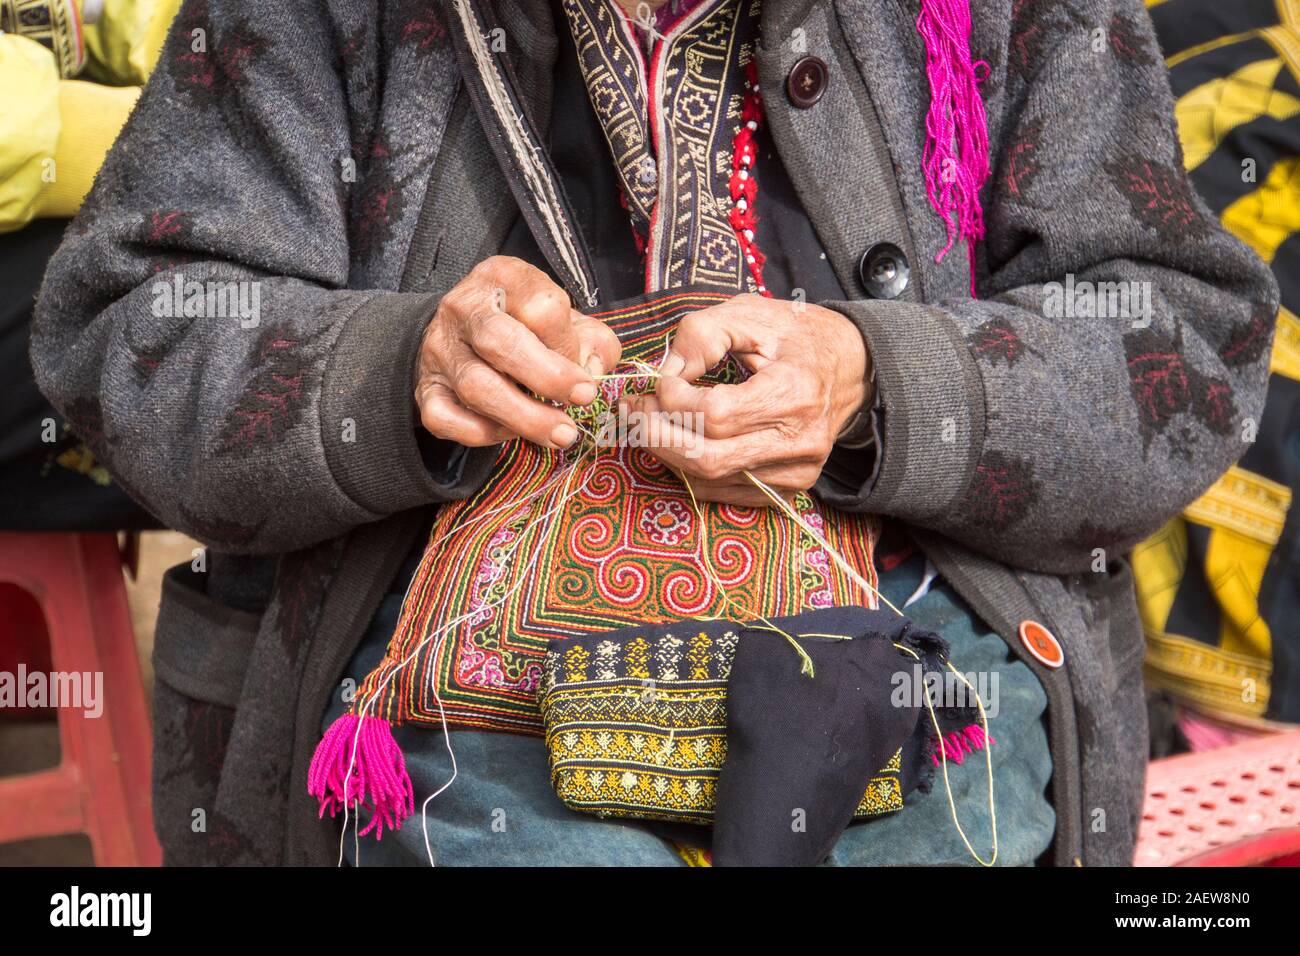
column 201, row 651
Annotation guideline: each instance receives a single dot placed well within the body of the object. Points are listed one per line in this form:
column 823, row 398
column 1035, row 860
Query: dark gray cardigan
column 329, row 150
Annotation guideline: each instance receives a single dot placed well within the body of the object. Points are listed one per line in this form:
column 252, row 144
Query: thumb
column 703, row 340
column 598, row 345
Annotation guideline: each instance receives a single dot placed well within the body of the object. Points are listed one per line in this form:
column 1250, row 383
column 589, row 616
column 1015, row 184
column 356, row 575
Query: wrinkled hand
column 811, row 375
column 503, row 326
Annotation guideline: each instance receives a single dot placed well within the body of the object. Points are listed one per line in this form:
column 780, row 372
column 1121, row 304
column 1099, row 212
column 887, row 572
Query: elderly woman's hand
column 811, row 374
column 504, row 325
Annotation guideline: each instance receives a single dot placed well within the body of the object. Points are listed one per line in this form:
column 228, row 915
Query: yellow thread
column 727, row 602
column 834, row 555
column 943, row 757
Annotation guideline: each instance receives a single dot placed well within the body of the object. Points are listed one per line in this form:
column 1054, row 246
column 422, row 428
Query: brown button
column 1042, row 644
column 807, row 82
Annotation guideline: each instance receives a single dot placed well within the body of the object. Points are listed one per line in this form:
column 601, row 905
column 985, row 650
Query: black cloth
column 800, row 750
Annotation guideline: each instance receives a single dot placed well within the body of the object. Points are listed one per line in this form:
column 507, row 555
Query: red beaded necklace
column 744, row 185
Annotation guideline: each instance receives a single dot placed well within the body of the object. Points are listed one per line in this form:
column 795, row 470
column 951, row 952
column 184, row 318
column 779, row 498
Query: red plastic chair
column 1233, row 806
column 101, row 786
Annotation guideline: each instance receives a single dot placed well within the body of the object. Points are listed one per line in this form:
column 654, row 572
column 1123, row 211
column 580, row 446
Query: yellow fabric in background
column 29, row 126
column 123, row 47
column 97, row 113
column 1267, row 217
column 55, row 133
column 1226, row 668
column 1208, row 113
column 1286, row 346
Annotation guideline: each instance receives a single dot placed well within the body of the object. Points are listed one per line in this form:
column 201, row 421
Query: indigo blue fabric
column 501, row 810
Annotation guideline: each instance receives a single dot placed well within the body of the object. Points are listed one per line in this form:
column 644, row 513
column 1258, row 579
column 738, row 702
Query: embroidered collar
column 671, row 118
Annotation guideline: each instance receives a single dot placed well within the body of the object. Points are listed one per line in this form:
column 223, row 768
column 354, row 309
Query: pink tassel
column 960, row 744
column 956, row 155
column 378, row 777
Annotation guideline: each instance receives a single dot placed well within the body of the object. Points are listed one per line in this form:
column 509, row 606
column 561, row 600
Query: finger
column 684, row 441
column 725, row 411
column 705, row 337
column 717, row 459
column 742, row 491
column 597, row 344
column 444, row 417
column 483, row 389
column 786, row 481
column 530, row 296
column 510, row 347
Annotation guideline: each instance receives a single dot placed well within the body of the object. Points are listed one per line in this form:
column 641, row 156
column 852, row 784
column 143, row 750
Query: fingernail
column 595, row 367
column 673, row 364
column 584, row 393
column 564, row 435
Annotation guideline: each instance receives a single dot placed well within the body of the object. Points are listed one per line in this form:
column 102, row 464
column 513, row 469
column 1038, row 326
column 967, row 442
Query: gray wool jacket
column 329, row 152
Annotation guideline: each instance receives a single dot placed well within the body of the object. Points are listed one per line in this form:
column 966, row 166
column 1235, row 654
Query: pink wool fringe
column 960, row 744
column 378, row 777
column 956, row 156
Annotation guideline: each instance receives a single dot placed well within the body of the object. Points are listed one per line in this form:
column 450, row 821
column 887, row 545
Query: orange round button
column 1042, row 644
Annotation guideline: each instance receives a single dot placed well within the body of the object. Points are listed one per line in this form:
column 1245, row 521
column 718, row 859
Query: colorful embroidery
column 614, row 70
column 625, row 550
column 650, row 743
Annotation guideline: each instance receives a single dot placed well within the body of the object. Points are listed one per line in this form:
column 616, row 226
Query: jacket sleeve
column 1042, row 420
column 195, row 326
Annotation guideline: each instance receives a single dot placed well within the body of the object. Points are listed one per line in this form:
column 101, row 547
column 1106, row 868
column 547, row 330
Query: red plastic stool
column 101, row 786
column 1233, row 806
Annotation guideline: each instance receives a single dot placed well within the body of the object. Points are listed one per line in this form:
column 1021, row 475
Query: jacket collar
column 840, row 156
column 507, row 76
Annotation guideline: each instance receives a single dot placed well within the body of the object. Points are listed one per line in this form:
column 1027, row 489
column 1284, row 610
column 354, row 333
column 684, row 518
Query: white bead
column 749, row 259
column 752, row 125
column 749, row 234
column 741, row 204
column 744, row 174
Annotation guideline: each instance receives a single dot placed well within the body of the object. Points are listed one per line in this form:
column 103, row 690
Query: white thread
column 922, row 589
column 455, row 622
